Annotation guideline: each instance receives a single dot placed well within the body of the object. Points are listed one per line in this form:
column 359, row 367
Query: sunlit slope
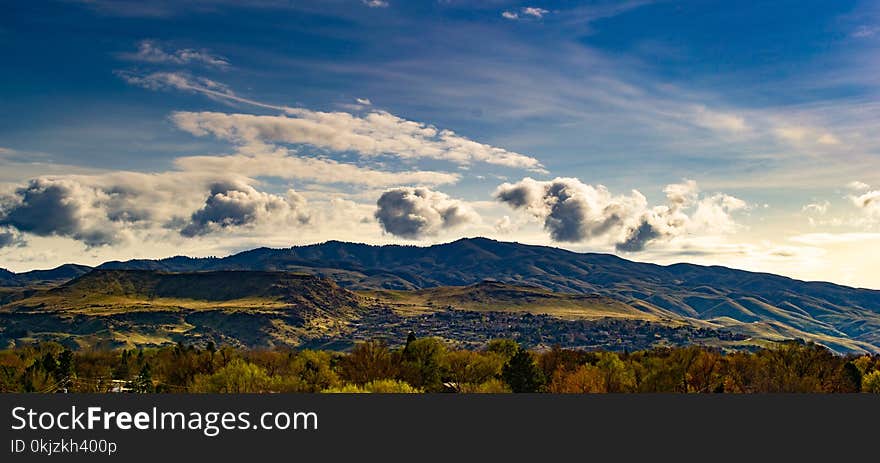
column 136, row 307
column 504, row 297
column 758, row 304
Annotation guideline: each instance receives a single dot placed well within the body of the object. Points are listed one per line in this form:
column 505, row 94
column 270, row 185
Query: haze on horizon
column 708, row 132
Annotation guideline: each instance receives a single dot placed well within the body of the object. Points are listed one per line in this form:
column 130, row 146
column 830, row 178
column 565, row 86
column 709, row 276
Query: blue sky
column 714, row 132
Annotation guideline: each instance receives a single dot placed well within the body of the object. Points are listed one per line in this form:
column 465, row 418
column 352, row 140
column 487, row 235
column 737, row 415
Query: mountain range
column 759, row 306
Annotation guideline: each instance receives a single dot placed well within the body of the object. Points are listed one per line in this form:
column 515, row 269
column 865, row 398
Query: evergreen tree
column 144, row 381
column 65, row 372
column 521, row 373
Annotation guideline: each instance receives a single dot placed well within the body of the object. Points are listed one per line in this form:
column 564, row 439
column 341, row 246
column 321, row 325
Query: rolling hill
column 488, row 295
column 138, row 307
column 760, row 305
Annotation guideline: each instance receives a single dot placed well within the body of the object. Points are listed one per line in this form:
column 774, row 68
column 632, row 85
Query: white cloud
column 819, row 239
column 572, row 211
column 377, row 133
column 187, row 83
column 805, row 135
column 151, row 52
column 868, row 203
column 364, row 101
column 414, row 213
column 504, row 225
column 820, row 208
column 856, row 185
column 827, row 139
column 719, row 121
column 374, row 134
column 375, row 3
column 863, row 31
column 10, row 236
column 232, row 205
column 121, row 208
column 265, row 161
column 206, row 196
column 531, row 11
column 534, row 11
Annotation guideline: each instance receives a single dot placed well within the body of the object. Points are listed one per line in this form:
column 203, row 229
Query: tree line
column 429, row 365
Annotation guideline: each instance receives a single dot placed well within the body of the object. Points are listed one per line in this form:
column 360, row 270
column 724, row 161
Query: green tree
column 521, row 373
column 871, row 382
column 469, row 367
column 144, row 381
column 65, row 372
column 236, row 377
column 421, row 364
column 382, row 386
column 315, row 370
column 618, row 377
column 506, row 348
column 368, row 361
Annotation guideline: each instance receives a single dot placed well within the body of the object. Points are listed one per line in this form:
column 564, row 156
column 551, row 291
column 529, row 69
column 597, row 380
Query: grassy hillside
column 135, row 307
column 502, row 297
column 549, row 281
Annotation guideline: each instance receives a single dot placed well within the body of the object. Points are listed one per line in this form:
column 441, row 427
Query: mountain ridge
column 761, row 304
column 187, row 263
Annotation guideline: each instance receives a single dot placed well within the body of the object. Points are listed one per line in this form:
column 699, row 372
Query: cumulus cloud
column 414, row 213
column 374, row 134
column 235, row 204
column 150, row 51
column 61, row 207
column 114, row 208
column 572, row 211
column 856, row 185
column 685, row 214
column 375, row 3
column 10, row 237
column 868, row 203
column 504, row 225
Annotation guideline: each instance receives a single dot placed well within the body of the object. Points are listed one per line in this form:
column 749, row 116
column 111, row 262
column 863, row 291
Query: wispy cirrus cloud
column 260, row 160
column 820, row 208
column 186, row 82
column 526, row 12
column 376, row 3
column 818, row 239
column 864, row 31
column 150, row 51
column 374, row 134
column 534, row 11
